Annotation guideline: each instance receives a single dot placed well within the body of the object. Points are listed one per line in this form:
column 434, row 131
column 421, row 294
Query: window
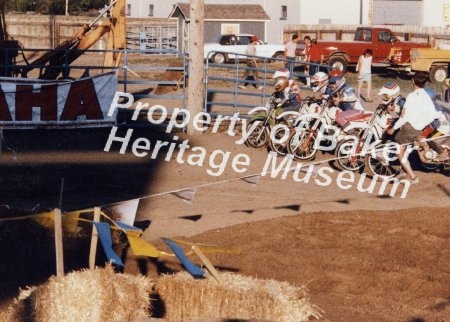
column 150, row 10
column 283, row 13
column 128, row 9
column 229, row 28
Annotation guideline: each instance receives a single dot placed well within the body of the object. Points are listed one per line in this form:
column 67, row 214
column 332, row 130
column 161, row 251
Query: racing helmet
column 336, row 83
column 283, row 72
column 319, row 81
column 282, row 79
column 389, row 92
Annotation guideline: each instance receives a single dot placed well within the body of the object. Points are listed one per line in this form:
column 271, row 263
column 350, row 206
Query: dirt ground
column 363, row 256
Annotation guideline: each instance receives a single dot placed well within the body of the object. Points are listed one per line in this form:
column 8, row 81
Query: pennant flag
column 126, row 211
column 186, row 195
column 140, row 247
column 192, row 218
column 46, row 219
column 247, row 211
column 290, row 207
column 127, row 227
column 104, row 233
column 205, row 248
column 344, row 201
column 252, row 179
column 193, row 269
column 70, row 222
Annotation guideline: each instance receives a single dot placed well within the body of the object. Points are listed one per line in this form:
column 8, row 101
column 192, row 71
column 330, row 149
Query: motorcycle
column 349, row 151
column 326, row 124
column 266, row 118
column 383, row 163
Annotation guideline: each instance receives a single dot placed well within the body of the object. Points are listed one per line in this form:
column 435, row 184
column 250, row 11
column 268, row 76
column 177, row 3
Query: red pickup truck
column 341, row 54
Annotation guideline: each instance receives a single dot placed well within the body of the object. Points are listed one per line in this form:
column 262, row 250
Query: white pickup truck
column 227, row 47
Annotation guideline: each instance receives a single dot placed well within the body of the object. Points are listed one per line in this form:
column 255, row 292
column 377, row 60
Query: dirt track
column 365, row 257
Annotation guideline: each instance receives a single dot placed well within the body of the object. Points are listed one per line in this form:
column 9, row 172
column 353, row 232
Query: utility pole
column 67, row 7
column 195, row 90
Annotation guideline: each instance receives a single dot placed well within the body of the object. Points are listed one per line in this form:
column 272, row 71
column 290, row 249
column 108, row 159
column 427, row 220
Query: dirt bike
column 266, row 118
column 379, row 162
column 349, row 152
column 280, row 133
column 313, row 129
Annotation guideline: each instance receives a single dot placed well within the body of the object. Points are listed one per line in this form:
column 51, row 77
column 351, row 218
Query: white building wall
column 434, row 15
column 345, row 12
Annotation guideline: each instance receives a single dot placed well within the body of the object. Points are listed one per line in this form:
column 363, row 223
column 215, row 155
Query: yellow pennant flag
column 142, row 248
column 46, row 219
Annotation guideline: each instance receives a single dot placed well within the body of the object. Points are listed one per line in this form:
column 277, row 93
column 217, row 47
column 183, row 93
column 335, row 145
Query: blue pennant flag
column 104, row 233
column 125, row 226
column 193, row 269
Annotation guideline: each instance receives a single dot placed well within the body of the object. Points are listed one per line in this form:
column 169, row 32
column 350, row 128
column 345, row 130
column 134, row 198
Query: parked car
column 340, row 54
column 229, row 47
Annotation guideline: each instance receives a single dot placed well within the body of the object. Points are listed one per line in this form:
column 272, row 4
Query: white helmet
column 389, row 92
column 283, row 72
column 319, row 81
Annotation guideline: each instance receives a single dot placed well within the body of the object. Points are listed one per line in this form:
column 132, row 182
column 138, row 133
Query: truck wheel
column 438, row 74
column 338, row 62
column 278, row 55
column 219, row 58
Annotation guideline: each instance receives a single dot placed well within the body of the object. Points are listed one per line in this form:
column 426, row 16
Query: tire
column 382, row 169
column 278, row 55
column 279, row 147
column 259, row 137
column 219, row 58
column 345, row 158
column 338, row 62
column 303, row 145
column 438, row 74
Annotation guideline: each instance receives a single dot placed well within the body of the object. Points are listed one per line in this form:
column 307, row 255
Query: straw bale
column 237, row 297
column 88, row 295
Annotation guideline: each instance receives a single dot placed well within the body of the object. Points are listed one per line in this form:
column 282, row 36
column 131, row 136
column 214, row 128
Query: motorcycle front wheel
column 303, row 145
column 376, row 163
column 346, row 156
column 260, row 135
column 279, row 141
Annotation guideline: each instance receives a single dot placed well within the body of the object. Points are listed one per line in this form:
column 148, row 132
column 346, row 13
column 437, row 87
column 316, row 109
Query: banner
column 30, row 103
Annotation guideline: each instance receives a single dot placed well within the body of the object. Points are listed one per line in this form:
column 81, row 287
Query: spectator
column 251, row 65
column 289, row 53
column 364, row 69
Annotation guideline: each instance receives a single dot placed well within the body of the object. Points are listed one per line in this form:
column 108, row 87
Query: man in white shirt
column 289, row 53
column 418, row 112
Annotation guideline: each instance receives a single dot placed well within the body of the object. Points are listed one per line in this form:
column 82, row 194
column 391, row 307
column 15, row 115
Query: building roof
column 224, row 12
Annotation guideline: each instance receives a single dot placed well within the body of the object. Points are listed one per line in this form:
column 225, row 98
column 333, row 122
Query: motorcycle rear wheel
column 259, row 137
column 303, row 145
column 377, row 166
column 346, row 160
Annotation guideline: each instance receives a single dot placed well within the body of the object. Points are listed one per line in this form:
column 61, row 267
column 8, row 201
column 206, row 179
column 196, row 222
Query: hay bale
column 238, row 297
column 89, row 295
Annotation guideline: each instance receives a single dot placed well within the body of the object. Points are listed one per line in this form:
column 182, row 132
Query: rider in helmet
column 319, row 82
column 287, row 86
column 390, row 96
column 343, row 95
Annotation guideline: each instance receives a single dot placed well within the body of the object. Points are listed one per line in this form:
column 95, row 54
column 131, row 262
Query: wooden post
column 207, row 263
column 59, row 243
column 94, row 239
column 196, row 91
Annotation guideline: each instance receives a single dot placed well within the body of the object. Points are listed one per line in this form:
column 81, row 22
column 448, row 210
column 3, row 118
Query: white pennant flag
column 126, row 211
column 252, row 179
column 186, row 195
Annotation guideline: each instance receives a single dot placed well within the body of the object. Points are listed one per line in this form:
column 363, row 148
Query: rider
column 391, row 98
column 418, row 112
column 287, row 87
column 319, row 82
column 343, row 95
